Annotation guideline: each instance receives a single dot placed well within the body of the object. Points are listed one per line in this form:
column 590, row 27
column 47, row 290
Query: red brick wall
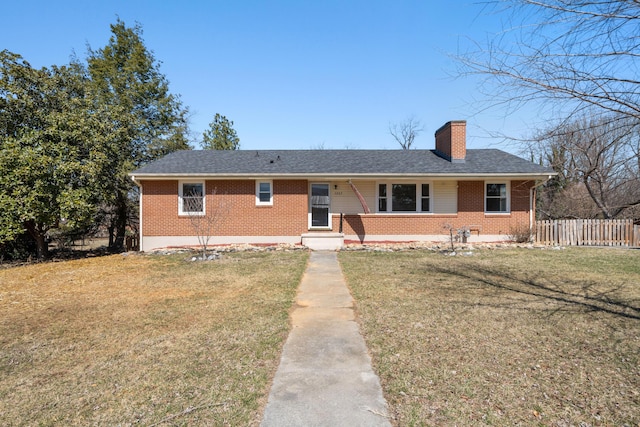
column 236, row 200
column 289, row 214
column 160, row 208
column 451, row 139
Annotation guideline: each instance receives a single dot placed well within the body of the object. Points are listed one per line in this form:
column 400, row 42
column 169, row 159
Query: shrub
column 520, row 233
column 20, row 249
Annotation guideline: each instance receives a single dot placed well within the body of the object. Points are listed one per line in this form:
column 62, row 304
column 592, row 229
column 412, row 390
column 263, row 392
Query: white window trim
column 258, row 202
column 508, row 189
column 181, row 195
column 389, row 197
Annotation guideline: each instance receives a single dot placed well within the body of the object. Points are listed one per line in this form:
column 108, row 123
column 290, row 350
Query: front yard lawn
column 503, row 337
column 143, row 340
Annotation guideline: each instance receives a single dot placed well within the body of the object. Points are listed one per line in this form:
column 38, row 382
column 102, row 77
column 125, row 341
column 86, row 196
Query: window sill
column 496, row 214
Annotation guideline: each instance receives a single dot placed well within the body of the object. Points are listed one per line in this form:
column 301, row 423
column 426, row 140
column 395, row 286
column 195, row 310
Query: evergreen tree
column 151, row 122
column 221, row 135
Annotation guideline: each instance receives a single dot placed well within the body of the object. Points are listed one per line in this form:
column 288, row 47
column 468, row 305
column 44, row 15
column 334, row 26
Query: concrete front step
column 323, row 241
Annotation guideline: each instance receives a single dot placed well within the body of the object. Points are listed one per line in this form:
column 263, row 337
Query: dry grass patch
column 143, row 339
column 507, row 337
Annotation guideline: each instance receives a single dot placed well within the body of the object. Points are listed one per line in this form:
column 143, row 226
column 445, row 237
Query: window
column 424, row 202
column 382, row 197
column 405, row 197
column 191, row 198
column 496, row 198
column 264, row 193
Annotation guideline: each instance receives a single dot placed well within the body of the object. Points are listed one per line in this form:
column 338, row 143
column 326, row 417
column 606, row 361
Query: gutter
column 139, row 184
column 335, row 176
column 532, row 198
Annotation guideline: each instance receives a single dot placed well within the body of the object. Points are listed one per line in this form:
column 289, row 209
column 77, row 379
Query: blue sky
column 290, row 74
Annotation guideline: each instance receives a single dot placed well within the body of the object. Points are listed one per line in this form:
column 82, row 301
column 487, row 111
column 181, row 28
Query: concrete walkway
column 325, row 376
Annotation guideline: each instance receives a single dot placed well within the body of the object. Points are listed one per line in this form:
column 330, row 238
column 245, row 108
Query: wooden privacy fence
column 588, row 232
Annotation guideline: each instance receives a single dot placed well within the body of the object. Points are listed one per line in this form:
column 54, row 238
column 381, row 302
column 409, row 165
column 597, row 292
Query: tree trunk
column 111, row 231
column 39, row 235
column 43, row 247
column 597, row 200
column 122, row 214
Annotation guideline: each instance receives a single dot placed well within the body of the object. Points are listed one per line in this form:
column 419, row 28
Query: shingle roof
column 336, row 163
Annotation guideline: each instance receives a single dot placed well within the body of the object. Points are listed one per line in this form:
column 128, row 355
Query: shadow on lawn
column 599, row 301
column 58, row 255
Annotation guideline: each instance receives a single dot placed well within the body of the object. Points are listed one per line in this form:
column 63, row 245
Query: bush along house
column 322, row 198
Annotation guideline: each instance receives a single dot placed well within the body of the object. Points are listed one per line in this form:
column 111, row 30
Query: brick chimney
column 451, row 141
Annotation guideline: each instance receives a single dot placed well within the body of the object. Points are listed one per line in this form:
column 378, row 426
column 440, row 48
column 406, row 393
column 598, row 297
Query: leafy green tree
column 221, row 135
column 50, row 166
column 150, row 121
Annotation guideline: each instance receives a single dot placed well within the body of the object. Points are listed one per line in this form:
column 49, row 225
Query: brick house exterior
column 320, row 197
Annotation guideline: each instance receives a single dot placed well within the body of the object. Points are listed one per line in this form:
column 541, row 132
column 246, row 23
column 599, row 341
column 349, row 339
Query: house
column 322, row 198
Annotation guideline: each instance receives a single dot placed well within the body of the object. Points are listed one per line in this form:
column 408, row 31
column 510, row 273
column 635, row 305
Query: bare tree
column 598, row 168
column 205, row 216
column 577, row 62
column 577, row 54
column 405, row 132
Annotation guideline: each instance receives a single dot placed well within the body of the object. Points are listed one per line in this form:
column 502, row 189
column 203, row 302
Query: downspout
column 532, row 193
column 532, row 202
column 140, row 248
column 363, row 202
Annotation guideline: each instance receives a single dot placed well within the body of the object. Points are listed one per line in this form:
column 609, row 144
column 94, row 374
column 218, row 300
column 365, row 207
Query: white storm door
column 319, row 205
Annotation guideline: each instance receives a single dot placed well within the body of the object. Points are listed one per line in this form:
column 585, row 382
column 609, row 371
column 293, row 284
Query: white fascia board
column 336, row 177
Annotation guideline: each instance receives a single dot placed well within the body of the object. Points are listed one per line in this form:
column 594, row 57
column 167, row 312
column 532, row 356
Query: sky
column 299, row 74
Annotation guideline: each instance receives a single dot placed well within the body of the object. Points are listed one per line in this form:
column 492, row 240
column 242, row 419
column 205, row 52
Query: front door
column 319, row 205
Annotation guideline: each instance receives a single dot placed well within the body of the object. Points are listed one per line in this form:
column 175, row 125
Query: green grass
column 504, row 337
column 145, row 340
